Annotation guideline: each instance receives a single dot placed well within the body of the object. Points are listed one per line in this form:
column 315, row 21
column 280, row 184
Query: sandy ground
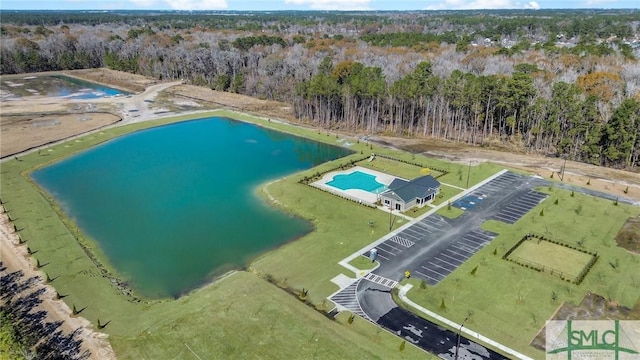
column 603, row 179
column 15, row 258
column 146, row 104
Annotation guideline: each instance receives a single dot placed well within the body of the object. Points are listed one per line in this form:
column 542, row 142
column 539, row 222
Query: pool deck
column 355, row 194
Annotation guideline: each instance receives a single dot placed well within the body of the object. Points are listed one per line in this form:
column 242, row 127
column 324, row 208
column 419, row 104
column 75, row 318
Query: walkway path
column 470, row 333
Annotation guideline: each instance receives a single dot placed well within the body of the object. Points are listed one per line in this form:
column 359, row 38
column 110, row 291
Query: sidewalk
column 471, row 335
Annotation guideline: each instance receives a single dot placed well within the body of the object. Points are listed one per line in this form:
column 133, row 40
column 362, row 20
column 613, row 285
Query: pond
column 13, row 87
column 174, row 206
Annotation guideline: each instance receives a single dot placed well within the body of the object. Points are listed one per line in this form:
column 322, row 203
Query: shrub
column 473, row 272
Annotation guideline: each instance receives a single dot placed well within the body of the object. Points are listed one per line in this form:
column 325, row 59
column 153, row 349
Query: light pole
column 561, row 175
column 459, row 331
column 468, row 174
column 390, row 221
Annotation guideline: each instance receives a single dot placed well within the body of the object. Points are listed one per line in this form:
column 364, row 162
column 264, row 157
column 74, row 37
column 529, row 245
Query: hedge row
column 307, row 179
column 541, row 237
column 528, row 264
column 357, row 201
column 586, row 269
column 443, row 172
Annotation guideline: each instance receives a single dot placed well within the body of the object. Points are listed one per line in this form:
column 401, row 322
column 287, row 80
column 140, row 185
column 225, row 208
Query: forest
column 556, row 82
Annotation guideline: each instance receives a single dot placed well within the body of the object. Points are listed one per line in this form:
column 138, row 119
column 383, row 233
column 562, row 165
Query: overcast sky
column 311, row 4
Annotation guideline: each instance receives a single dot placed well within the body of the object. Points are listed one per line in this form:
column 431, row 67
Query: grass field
column 552, row 258
column 506, row 302
column 202, row 321
column 510, row 303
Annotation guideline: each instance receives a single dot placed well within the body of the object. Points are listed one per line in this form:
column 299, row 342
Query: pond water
column 54, row 86
column 176, row 205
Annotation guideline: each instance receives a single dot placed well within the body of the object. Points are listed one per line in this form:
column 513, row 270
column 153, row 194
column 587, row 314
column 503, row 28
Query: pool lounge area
column 358, row 183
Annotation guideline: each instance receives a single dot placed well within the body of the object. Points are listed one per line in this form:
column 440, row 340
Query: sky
column 260, row 5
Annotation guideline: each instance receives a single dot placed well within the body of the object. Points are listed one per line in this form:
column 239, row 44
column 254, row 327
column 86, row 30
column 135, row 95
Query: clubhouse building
column 402, row 195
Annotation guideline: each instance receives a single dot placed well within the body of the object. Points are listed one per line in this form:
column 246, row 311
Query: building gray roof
column 420, row 187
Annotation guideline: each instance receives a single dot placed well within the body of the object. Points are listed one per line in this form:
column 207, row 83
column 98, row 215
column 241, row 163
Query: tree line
column 481, row 77
column 480, row 110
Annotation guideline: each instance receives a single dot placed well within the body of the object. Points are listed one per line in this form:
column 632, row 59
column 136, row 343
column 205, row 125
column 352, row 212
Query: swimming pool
column 357, row 180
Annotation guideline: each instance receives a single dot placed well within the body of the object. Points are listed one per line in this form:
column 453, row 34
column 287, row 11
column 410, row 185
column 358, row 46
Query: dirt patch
column 238, row 102
column 612, row 181
column 629, row 236
column 592, row 307
column 24, row 132
column 116, row 79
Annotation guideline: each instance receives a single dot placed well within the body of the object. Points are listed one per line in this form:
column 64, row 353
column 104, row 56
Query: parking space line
column 519, row 207
column 446, row 262
column 411, row 232
column 428, row 277
column 459, row 248
column 386, row 243
column 387, row 251
column 441, row 267
column 452, row 258
column 511, row 216
column 436, row 272
column 464, row 258
column 504, row 219
column 473, row 237
column 419, row 228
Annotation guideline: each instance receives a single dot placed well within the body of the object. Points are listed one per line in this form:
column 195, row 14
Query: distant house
column 403, row 195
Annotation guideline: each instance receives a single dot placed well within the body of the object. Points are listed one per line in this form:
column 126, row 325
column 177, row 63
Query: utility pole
column 564, row 164
column 459, row 331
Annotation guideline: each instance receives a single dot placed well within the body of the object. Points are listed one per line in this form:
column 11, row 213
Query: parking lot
column 423, row 231
column 437, row 267
column 520, row 207
column 434, row 246
column 431, row 248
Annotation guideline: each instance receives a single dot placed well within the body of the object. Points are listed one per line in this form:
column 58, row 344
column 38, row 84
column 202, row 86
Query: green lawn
column 221, row 319
column 450, row 212
column 363, row 263
column 551, row 257
column 510, row 303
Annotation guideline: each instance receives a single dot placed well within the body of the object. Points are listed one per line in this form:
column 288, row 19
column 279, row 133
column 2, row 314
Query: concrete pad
column 343, row 281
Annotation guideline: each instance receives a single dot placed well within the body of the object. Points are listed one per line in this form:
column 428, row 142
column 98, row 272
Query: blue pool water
column 174, row 206
column 357, row 180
